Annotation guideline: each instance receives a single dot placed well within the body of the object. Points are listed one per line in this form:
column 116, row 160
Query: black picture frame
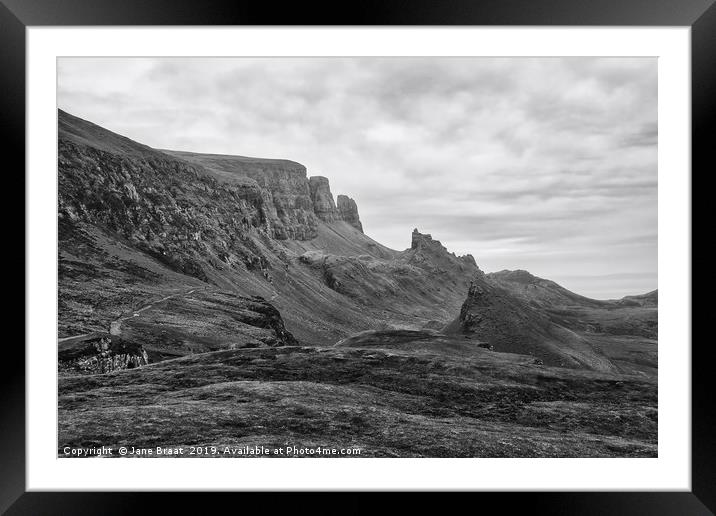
column 17, row 15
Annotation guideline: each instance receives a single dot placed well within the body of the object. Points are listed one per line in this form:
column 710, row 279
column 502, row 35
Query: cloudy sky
column 543, row 164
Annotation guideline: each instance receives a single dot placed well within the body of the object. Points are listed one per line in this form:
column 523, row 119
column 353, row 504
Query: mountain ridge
column 167, row 223
column 631, row 315
column 523, row 277
column 138, row 224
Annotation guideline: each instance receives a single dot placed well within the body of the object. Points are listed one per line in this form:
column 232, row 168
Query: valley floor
column 387, row 403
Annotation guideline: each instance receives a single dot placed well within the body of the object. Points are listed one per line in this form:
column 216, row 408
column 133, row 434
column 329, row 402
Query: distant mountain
column 631, row 315
column 533, row 288
column 648, row 300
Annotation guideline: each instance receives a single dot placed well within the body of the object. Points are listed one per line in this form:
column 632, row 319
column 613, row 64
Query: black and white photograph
column 364, row 257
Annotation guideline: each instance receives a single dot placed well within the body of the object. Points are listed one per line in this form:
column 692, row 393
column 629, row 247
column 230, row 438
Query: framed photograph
column 418, row 249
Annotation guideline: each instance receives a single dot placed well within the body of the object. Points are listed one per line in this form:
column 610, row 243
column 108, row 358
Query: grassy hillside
column 395, row 403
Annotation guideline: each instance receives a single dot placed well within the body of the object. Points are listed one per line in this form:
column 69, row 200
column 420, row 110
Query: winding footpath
column 115, row 327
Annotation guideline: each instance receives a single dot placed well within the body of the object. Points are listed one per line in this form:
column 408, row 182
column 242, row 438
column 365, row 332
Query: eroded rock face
column 327, row 209
column 286, row 196
column 348, row 211
column 101, row 354
column 424, row 241
column 423, row 244
column 293, row 203
column 323, row 204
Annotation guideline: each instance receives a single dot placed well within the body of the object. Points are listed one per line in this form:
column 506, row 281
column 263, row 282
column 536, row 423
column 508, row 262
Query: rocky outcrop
column 348, row 211
column 323, row 204
column 268, row 317
column 327, row 209
column 510, row 324
column 422, row 244
column 101, row 354
column 491, row 315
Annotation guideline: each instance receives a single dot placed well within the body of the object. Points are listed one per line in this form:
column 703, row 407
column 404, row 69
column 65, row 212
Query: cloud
column 545, row 164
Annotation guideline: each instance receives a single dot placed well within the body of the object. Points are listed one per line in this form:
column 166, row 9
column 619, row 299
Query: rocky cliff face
column 323, row 204
column 101, row 354
column 188, row 209
column 293, row 203
column 287, row 202
column 327, row 209
column 348, row 211
column 280, row 186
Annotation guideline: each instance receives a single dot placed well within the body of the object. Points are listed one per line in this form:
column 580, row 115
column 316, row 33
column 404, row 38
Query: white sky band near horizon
column 543, row 164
